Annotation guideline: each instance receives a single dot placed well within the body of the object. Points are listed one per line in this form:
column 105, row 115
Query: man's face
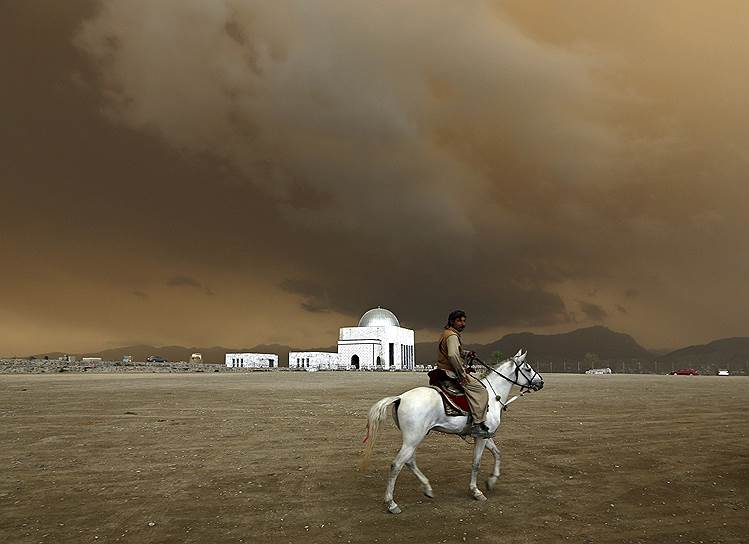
column 459, row 324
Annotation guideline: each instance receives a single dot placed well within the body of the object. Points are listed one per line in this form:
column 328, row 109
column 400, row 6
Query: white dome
column 379, row 317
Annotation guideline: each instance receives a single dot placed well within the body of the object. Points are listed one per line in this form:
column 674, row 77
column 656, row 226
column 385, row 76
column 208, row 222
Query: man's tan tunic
column 450, row 359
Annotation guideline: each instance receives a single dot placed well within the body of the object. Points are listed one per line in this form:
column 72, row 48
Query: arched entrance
column 355, row 361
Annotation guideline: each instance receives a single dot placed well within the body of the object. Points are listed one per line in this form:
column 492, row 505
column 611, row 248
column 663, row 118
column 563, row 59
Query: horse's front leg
column 492, row 480
column 478, row 449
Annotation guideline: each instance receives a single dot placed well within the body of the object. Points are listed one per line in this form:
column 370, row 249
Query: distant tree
column 498, row 356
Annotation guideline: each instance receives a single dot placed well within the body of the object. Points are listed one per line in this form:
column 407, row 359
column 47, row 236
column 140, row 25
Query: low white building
column 91, row 359
column 317, row 360
column 252, row 360
column 378, row 342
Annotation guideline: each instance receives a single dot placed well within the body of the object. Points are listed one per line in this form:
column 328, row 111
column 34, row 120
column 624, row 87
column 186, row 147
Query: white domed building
column 378, row 341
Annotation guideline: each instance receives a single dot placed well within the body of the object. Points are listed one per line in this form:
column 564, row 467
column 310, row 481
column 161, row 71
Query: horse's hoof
column 479, row 496
column 394, row 509
column 429, row 493
column 490, row 483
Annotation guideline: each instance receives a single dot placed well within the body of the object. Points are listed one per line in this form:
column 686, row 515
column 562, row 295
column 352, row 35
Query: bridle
column 527, row 388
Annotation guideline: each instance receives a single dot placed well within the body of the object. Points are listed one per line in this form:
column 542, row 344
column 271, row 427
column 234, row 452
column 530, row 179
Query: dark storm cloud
column 593, row 312
column 530, row 160
column 187, row 281
column 92, row 208
column 487, row 304
column 381, row 156
column 315, row 299
column 314, row 307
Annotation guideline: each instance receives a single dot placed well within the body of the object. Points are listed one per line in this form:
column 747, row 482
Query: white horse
column 420, row 410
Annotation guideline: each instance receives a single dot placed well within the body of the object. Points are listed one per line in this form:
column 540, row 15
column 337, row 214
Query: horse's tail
column 377, row 414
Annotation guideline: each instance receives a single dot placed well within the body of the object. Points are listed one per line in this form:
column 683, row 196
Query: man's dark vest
column 442, row 361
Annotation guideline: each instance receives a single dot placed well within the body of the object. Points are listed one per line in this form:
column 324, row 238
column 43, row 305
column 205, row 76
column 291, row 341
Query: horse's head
column 525, row 375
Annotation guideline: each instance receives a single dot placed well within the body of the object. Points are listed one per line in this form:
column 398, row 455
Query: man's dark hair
column 455, row 314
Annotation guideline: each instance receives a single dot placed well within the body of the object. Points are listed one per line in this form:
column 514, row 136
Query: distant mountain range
column 594, row 345
column 599, row 343
column 724, row 353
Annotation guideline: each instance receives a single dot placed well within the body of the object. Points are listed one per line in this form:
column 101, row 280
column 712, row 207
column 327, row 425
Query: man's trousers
column 478, row 398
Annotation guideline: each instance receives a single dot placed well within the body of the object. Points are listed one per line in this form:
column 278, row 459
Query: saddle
column 453, row 397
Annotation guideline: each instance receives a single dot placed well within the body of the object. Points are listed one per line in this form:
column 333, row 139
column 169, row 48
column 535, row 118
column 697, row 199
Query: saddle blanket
column 453, row 397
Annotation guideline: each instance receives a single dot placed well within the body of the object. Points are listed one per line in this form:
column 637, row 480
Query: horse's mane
column 484, row 372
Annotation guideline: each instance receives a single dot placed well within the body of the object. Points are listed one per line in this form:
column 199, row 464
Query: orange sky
column 235, row 172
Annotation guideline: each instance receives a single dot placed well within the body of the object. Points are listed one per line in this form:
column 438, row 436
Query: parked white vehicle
column 723, row 372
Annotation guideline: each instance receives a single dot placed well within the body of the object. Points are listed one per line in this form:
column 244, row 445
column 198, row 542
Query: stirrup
column 481, row 431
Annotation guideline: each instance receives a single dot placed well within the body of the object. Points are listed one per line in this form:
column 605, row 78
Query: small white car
column 723, row 372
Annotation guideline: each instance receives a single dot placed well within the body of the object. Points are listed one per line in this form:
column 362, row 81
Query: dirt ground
column 273, row 457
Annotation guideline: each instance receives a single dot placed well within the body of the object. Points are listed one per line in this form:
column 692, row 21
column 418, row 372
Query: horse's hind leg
column 492, row 480
column 426, row 487
column 404, row 455
column 478, row 449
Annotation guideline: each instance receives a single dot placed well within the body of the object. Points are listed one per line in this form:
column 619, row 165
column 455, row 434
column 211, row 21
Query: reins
column 523, row 388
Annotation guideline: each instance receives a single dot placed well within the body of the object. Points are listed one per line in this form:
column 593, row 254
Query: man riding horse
column 451, row 359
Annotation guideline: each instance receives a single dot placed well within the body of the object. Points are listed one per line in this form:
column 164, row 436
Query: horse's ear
column 522, row 357
column 519, row 353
